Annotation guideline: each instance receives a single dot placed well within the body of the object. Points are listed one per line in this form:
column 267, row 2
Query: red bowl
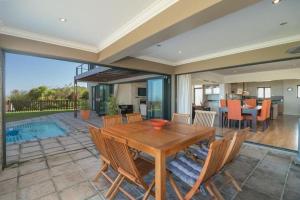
column 158, row 123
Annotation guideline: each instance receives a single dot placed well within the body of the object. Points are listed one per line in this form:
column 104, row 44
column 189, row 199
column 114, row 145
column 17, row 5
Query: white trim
column 47, row 39
column 154, row 9
column 262, row 45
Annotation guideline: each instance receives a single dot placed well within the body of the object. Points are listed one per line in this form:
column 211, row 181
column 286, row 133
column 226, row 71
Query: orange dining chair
column 235, row 112
column 250, row 102
column 223, row 103
column 263, row 116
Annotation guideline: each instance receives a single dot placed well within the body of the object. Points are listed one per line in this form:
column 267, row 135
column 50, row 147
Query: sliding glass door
column 159, row 98
column 102, row 94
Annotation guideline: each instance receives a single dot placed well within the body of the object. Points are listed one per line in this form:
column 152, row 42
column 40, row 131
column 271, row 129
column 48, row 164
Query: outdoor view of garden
column 42, row 100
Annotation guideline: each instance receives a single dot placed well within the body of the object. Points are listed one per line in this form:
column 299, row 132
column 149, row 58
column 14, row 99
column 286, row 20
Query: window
column 216, row 90
column 198, row 94
column 264, row 92
column 208, row 90
column 298, row 91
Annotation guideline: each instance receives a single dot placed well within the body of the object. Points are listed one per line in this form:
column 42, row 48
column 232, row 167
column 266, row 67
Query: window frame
column 198, row 88
column 264, row 92
column 298, row 91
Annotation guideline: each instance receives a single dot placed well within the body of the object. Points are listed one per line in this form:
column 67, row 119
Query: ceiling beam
column 182, row 16
column 268, row 54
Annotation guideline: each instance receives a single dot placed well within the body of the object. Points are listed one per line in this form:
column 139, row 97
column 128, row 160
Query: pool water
column 33, row 131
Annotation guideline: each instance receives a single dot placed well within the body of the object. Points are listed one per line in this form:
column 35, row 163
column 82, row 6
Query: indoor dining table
column 160, row 144
column 245, row 110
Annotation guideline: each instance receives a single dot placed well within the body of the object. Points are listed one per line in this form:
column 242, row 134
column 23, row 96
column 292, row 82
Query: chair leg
column 149, row 190
column 113, row 194
column 176, row 189
column 210, row 191
column 103, row 168
column 216, row 191
column 234, row 182
column 112, row 187
column 240, row 124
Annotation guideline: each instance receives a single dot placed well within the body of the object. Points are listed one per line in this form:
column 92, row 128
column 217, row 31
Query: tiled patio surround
column 66, row 173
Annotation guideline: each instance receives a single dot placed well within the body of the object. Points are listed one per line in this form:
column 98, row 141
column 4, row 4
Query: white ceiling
column 254, row 27
column 91, row 25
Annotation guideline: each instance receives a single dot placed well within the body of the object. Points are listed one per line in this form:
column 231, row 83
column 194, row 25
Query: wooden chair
column 133, row 170
column 181, row 118
column 112, row 120
column 190, row 172
column 250, row 102
column 134, row 117
column 107, row 160
column 205, row 118
column 236, row 141
column 235, row 112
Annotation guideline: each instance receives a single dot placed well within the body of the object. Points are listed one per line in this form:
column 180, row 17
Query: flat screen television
column 142, row 92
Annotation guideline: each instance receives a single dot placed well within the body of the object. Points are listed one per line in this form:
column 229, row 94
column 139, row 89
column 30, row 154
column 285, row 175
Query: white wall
column 291, row 102
column 251, row 87
column 127, row 94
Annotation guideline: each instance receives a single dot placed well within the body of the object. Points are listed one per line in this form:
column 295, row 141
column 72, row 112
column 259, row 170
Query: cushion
column 185, row 169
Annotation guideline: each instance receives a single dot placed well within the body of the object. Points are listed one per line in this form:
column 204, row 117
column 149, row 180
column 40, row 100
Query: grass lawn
column 16, row 116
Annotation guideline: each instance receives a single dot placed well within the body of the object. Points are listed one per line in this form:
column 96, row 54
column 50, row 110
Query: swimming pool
column 33, row 131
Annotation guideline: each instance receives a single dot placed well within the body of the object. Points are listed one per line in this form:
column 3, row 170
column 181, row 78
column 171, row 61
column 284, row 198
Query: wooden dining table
column 160, row 144
column 245, row 110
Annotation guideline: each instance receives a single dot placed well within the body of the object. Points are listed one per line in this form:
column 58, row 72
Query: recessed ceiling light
column 158, row 45
column 62, row 19
column 179, row 52
column 275, row 1
column 283, row 23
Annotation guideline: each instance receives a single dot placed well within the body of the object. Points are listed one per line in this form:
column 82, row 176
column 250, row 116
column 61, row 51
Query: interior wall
column 276, row 87
column 128, row 94
column 291, row 102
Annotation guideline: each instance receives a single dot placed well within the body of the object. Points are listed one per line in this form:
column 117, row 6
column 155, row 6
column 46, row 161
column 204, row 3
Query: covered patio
column 64, row 168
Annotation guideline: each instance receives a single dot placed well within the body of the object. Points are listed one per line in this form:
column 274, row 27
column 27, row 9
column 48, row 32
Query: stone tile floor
column 66, row 173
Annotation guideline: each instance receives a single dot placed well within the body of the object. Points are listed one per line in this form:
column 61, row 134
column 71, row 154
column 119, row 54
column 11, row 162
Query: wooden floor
column 282, row 133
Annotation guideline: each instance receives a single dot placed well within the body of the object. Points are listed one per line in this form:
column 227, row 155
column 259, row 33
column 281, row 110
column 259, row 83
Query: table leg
column 254, row 121
column 221, row 119
column 160, row 176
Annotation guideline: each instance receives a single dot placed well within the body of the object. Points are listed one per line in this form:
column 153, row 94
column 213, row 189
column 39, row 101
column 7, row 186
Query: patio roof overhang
column 113, row 75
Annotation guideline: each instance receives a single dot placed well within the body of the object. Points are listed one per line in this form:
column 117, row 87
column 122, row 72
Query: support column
column 75, row 98
column 297, row 159
column 2, row 112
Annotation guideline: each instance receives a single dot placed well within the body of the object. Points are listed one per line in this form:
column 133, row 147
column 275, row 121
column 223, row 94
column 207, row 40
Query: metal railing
column 40, row 105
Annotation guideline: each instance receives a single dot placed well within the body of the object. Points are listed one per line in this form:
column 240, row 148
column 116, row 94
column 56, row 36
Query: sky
column 24, row 72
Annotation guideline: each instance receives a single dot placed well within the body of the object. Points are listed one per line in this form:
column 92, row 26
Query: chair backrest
column 223, row 103
column 134, row 117
column 181, row 118
column 120, row 153
column 97, row 138
column 250, row 102
column 235, row 145
column 264, row 109
column 112, row 120
column 269, row 108
column 205, row 118
column 212, row 164
column 234, row 109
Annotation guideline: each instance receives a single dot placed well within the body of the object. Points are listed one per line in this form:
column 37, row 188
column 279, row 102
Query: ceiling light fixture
column 180, row 52
column 158, row 45
column 275, row 1
column 62, row 19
